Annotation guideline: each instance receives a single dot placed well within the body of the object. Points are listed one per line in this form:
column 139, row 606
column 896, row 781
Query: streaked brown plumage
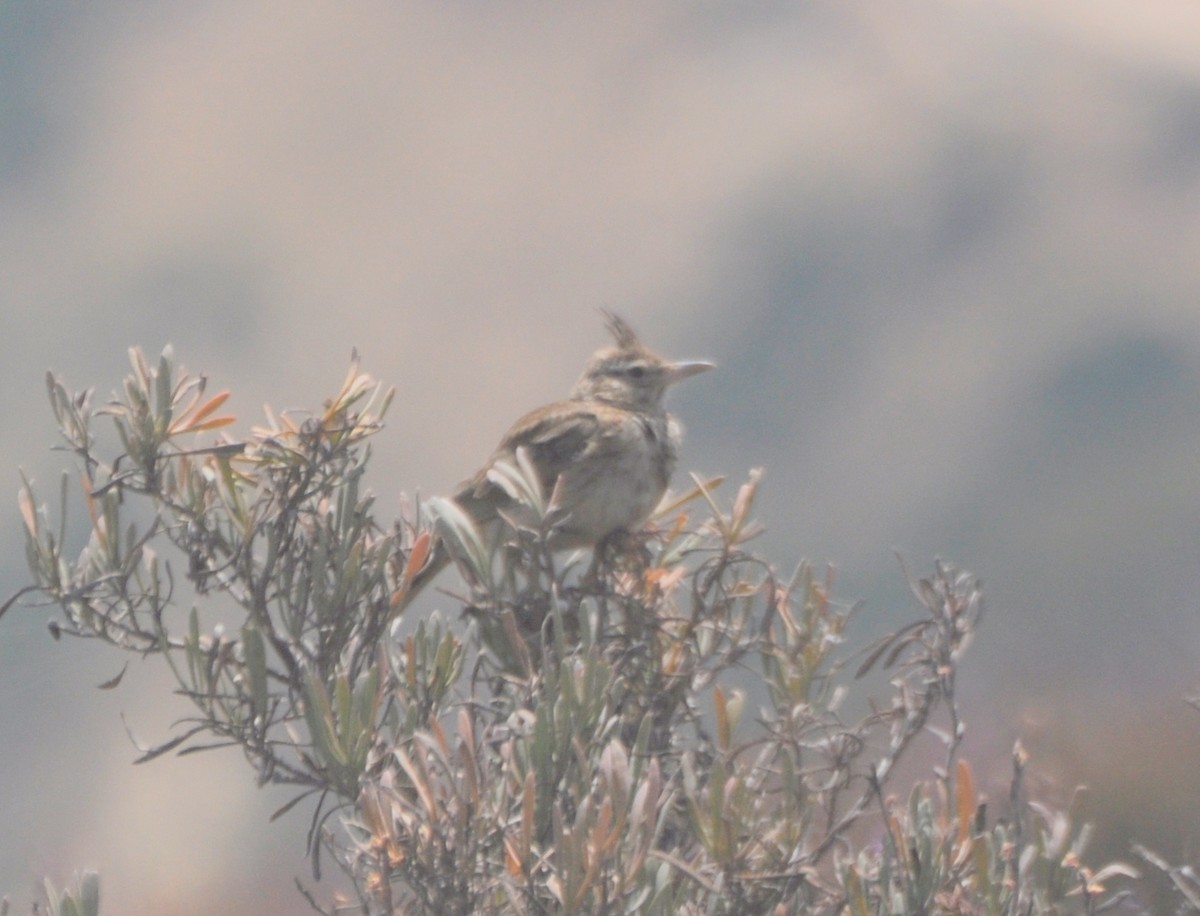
column 606, row 452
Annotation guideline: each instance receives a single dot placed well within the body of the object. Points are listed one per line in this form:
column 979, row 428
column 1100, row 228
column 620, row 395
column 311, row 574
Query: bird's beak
column 686, row 369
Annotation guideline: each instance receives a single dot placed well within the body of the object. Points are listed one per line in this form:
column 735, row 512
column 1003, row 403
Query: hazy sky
column 945, row 254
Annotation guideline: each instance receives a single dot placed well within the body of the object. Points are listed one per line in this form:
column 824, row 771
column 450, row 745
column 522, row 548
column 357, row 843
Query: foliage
column 584, row 742
column 81, row 899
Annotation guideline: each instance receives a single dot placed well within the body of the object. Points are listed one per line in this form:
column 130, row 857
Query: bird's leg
column 619, row 551
column 627, row 550
column 590, row 583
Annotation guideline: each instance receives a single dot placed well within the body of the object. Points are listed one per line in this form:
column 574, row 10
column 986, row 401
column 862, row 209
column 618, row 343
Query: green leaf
column 163, row 401
column 89, row 894
column 255, row 656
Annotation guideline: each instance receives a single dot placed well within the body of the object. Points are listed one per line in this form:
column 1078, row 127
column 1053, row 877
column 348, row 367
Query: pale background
column 947, row 255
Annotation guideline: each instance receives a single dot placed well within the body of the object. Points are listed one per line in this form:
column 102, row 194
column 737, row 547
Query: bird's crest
column 623, row 334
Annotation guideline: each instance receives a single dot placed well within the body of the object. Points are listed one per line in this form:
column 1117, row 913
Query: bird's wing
column 554, row 437
column 554, row 442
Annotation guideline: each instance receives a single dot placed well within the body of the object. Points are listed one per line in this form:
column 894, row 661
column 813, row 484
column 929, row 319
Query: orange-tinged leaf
column 701, row 488
column 671, row 578
column 417, row 556
column 214, row 423
column 964, row 801
column 439, row 735
column 352, row 389
column 90, row 500
column 674, row 658
column 350, row 381
column 681, row 520
column 724, row 733
column 745, row 496
column 28, row 513
column 420, row 783
column 210, row 405
column 512, row 861
column 370, row 807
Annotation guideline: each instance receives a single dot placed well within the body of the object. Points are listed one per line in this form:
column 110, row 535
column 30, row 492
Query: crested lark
column 606, row 453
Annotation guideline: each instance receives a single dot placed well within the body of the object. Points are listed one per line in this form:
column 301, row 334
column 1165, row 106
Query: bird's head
column 631, row 375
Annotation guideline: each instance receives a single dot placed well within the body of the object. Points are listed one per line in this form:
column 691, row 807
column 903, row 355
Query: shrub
column 658, row 728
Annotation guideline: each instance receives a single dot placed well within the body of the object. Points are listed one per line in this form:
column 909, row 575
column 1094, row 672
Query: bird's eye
column 636, row 371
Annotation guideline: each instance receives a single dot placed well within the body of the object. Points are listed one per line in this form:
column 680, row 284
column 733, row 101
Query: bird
column 604, row 455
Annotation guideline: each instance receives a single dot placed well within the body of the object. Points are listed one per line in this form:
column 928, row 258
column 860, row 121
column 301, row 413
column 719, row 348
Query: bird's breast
column 617, row 483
